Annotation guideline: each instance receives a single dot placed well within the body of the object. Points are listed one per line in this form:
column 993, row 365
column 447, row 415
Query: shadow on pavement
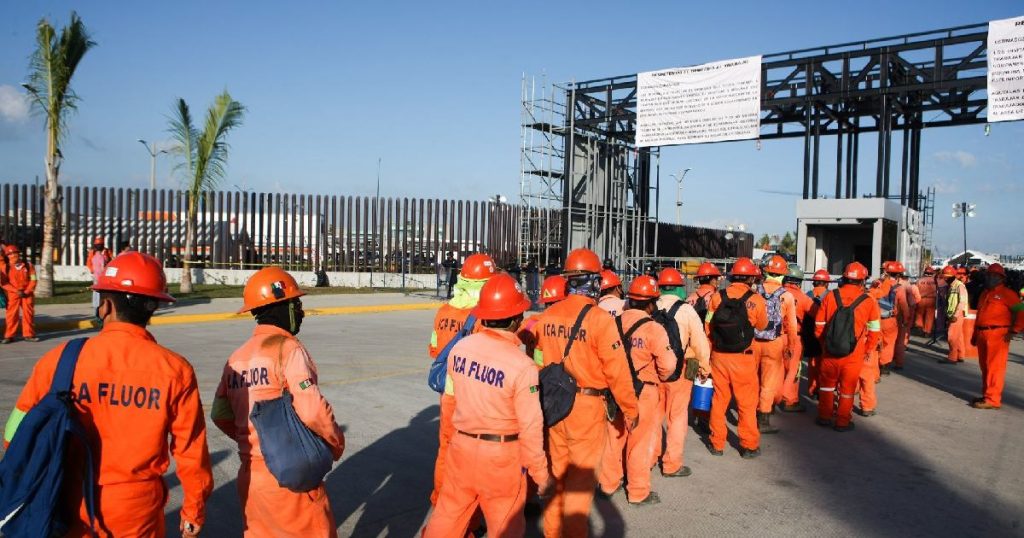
column 960, row 380
column 226, row 519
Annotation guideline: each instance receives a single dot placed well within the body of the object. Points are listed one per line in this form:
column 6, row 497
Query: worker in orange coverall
column 447, row 323
column 903, row 313
column 926, row 308
column 819, row 287
column 675, row 395
column 271, row 361
column 955, row 313
column 137, row 401
column 498, row 422
column 19, row 283
column 843, row 373
column 883, row 291
column 735, row 373
column 598, row 363
column 1000, row 317
column 774, row 346
column 653, row 360
column 708, row 278
column 611, row 299
column 787, row 394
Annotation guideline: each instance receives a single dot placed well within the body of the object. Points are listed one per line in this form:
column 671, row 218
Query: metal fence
column 241, row 230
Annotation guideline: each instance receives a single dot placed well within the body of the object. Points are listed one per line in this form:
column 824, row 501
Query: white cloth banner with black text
column 711, row 102
column 1006, row 70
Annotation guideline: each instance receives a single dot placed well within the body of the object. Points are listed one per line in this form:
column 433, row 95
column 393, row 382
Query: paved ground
column 927, row 465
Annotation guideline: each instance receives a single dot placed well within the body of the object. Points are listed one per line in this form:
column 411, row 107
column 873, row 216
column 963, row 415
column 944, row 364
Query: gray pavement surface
column 927, row 465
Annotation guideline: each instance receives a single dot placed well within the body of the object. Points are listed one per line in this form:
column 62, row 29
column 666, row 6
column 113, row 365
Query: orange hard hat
column 777, row 266
column 929, row 270
column 670, row 276
column 855, row 271
column 582, row 260
column 478, row 267
column 11, row 249
column 135, row 273
column 961, row 271
column 609, row 279
column 948, row 271
column 821, row 275
column 708, row 269
column 553, row 289
column 643, row 288
column 744, row 267
column 885, row 266
column 268, row 286
column 97, row 241
column 997, row 269
column 896, row 268
column 501, row 298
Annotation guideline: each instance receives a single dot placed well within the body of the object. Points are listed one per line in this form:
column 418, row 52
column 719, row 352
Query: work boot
column 605, row 495
column 714, row 451
column 652, row 498
column 749, row 453
column 847, row 428
column 5, row 341
column 886, row 369
column 792, row 408
column 984, row 405
column 824, row 422
column 31, row 339
column 683, row 471
column 763, row 424
column 868, row 413
column 701, row 427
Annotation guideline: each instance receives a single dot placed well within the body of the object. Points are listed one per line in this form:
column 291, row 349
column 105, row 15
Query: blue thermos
column 702, row 391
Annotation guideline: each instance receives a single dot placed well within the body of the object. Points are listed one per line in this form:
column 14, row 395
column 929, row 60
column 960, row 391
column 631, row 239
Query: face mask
column 992, row 281
column 295, row 316
column 587, row 285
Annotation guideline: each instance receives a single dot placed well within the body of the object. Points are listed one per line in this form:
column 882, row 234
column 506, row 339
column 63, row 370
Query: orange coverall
column 890, row 325
column 653, row 360
column 904, row 318
column 447, row 323
column 771, row 354
column 675, row 396
column 735, row 374
column 956, row 310
column 271, row 361
column 703, row 291
column 999, row 313
column 788, row 390
column 496, row 395
column 845, row 371
column 926, row 307
column 612, row 304
column 136, row 400
column 20, row 279
column 812, row 362
column 576, row 444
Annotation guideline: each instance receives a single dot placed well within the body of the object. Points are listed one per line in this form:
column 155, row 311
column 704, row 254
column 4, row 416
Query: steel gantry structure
column 885, row 86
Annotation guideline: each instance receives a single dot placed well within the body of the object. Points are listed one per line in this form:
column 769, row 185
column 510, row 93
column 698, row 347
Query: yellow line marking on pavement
column 385, row 375
column 178, row 319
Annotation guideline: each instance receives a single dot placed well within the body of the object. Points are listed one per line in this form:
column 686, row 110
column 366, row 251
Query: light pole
column 679, row 194
column 151, row 149
column 964, row 209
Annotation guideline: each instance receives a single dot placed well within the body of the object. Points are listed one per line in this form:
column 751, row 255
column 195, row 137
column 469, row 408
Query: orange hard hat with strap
column 582, row 260
column 670, row 276
column 821, row 275
column 501, row 298
column 609, row 279
column 744, row 267
column 896, row 268
column 268, row 286
column 708, row 269
column 553, row 289
column 478, row 267
column 135, row 273
column 777, row 266
column 643, row 288
column 948, row 271
column 855, row 271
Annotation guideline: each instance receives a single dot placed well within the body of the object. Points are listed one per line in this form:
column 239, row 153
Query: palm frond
column 52, row 66
column 211, row 147
column 184, row 135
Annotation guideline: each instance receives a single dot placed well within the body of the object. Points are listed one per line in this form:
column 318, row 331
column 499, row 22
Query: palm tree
column 204, row 159
column 49, row 87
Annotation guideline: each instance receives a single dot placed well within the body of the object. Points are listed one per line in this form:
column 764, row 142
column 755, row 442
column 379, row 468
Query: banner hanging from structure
column 1006, row 70
column 711, row 102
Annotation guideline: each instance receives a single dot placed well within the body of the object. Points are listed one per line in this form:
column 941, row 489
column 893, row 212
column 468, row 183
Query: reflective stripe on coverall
column 956, row 305
column 576, row 444
column 844, row 372
column 447, row 323
column 999, row 311
column 271, row 361
column 20, row 278
column 496, row 394
column 653, row 360
column 137, row 401
column 770, row 354
column 735, row 374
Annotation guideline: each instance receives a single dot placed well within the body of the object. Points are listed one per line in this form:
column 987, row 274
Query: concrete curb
column 82, row 324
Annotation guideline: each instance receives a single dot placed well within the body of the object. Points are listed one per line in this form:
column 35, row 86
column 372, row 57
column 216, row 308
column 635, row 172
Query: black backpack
column 841, row 332
column 731, row 330
column 667, row 319
column 557, row 386
column 627, row 346
column 701, row 306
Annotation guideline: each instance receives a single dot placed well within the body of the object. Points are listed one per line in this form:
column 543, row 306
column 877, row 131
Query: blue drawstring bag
column 298, row 458
column 438, row 374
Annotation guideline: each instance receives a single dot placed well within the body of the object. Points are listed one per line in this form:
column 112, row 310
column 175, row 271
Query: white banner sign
column 1006, row 70
column 704, row 103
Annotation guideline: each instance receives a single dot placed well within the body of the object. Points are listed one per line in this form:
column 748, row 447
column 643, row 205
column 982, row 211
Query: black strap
column 856, row 302
column 627, row 344
column 65, row 372
column 576, row 330
column 675, row 309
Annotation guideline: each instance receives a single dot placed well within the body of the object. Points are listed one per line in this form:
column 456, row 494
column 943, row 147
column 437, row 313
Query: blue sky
column 433, row 89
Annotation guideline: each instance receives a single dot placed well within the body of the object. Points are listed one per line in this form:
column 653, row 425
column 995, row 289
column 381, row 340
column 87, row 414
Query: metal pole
column 152, row 167
column 963, row 208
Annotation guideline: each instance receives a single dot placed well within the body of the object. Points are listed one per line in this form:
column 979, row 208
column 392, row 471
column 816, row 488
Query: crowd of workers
column 585, row 398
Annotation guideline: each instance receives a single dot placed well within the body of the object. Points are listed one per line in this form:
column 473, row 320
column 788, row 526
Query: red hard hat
column 777, row 266
column 885, row 266
column 609, row 279
column 268, row 286
column 948, row 271
column 135, row 273
column 501, row 298
column 97, row 241
column 582, row 260
column 11, row 249
column 855, row 271
column 643, row 288
column 997, row 269
column 896, row 268
column 478, row 267
column 929, row 270
column 744, row 267
column 821, row 275
column 553, row 289
column 670, row 276
column 961, row 271
column 708, row 269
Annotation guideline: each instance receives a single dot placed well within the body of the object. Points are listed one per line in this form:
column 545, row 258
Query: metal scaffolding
column 542, row 156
